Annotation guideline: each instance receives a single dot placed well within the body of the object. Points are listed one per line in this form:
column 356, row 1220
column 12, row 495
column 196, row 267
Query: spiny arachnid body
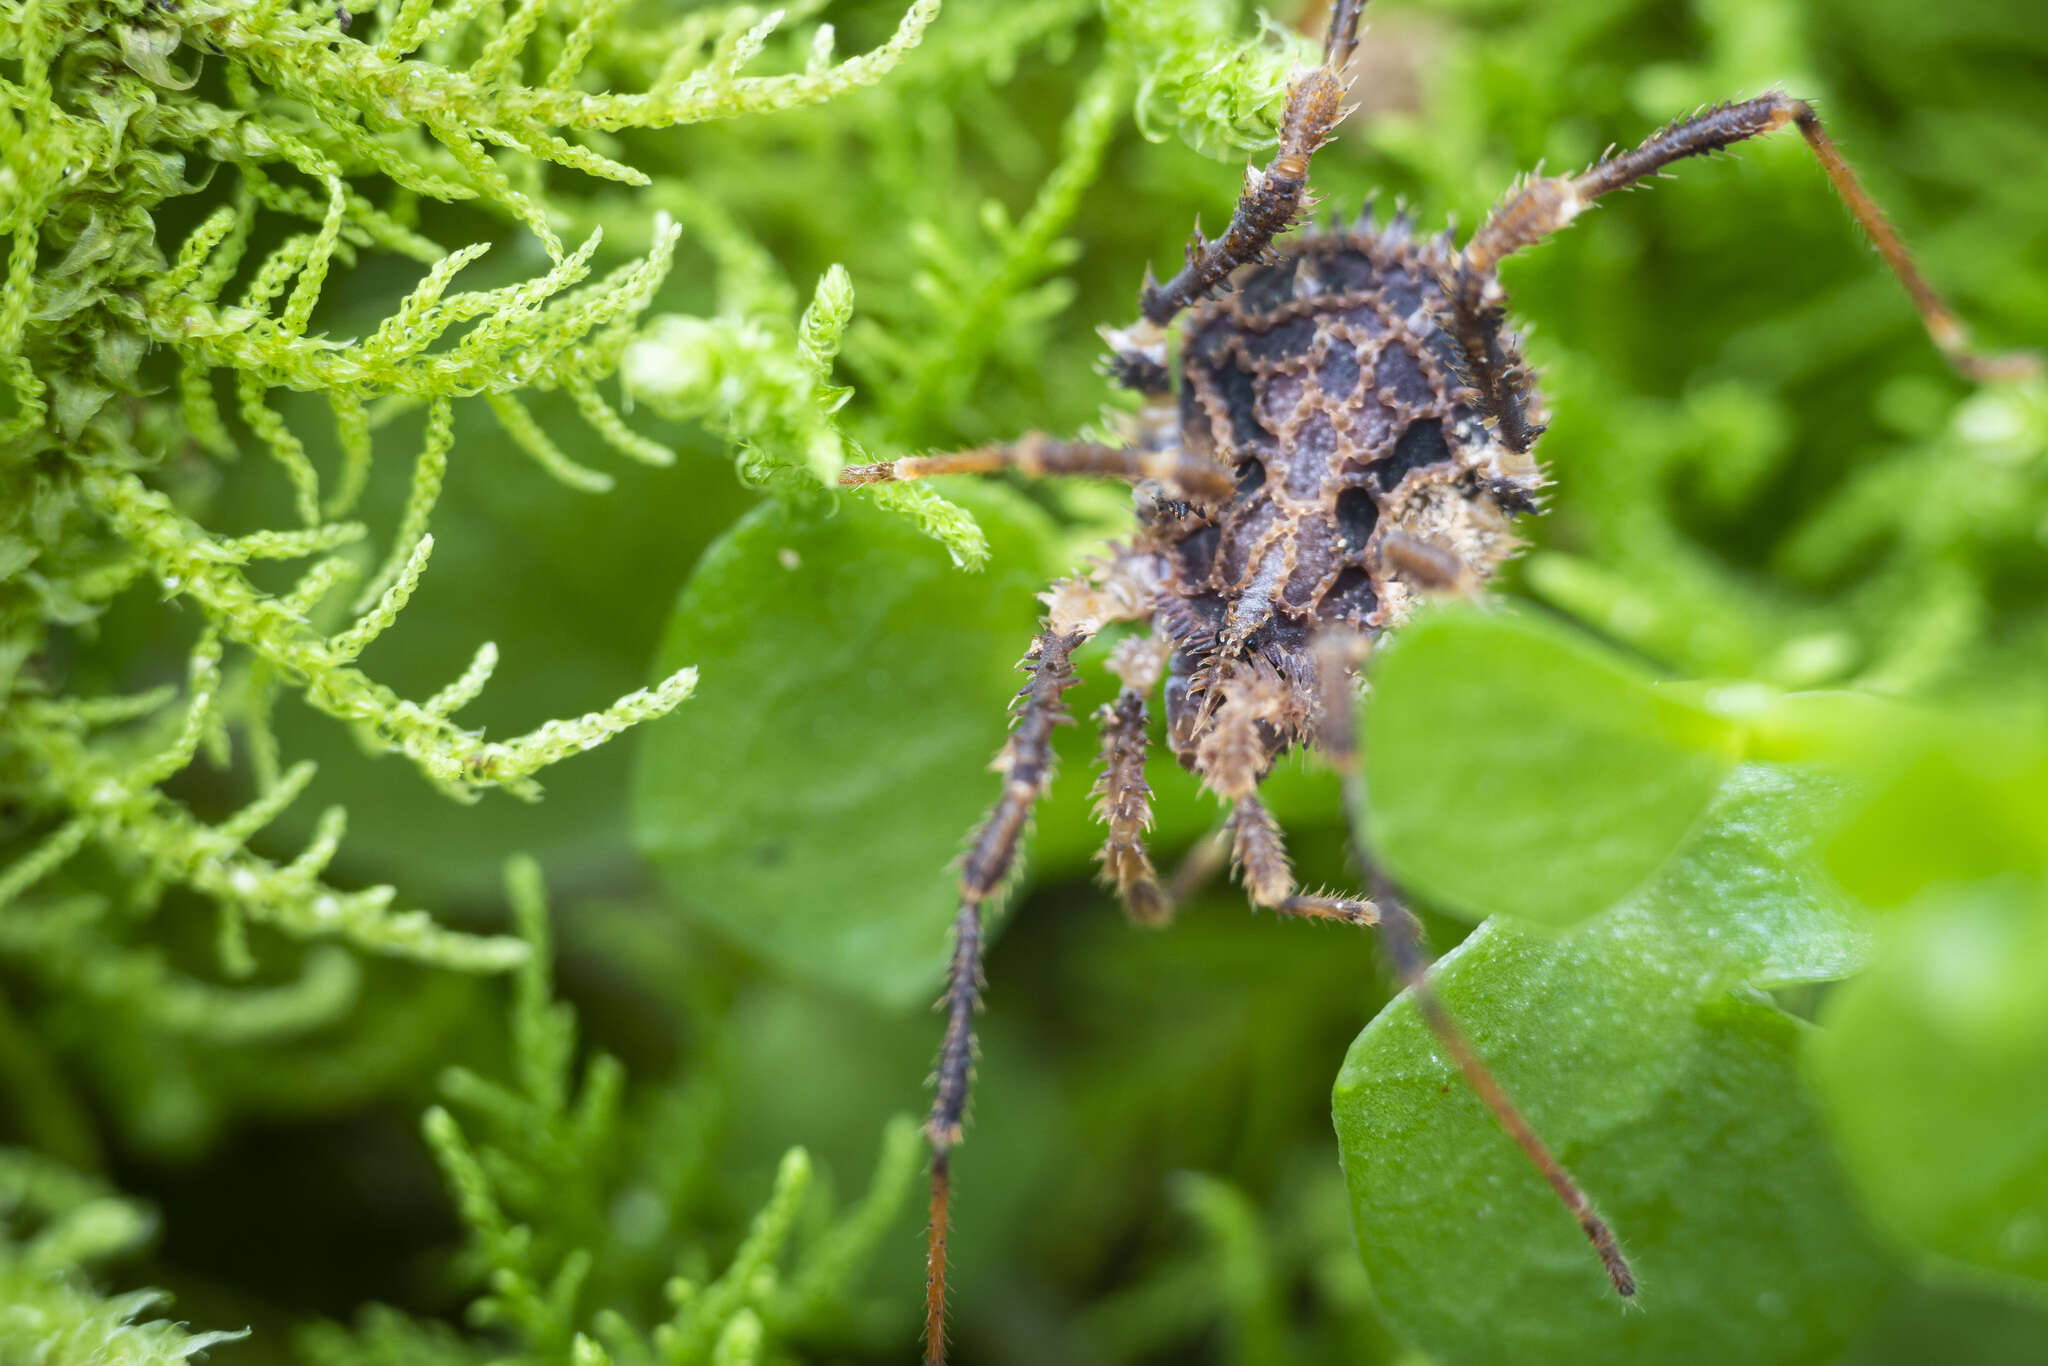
column 1341, row 425
column 1365, row 473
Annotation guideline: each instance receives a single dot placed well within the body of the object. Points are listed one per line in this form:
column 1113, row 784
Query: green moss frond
column 780, row 419
column 56, row 1226
column 185, row 562
column 707, row 1315
column 277, row 123
column 1218, row 92
column 428, row 470
column 66, row 946
column 114, row 786
column 569, row 1194
column 992, row 298
column 144, row 831
column 813, row 1295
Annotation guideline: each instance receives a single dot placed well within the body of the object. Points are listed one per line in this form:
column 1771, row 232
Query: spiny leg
column 1120, row 588
column 1123, row 798
column 1123, row 803
column 1543, row 206
column 1337, row 656
column 1203, row 861
column 1258, row 853
column 1260, row 857
column 1026, row 763
column 1272, row 200
column 1037, row 454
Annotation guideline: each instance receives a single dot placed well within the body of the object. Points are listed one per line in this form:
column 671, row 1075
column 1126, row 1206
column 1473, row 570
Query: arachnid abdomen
column 1367, row 468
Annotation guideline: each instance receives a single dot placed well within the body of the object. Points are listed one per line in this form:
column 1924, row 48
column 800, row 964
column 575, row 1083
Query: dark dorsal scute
column 1329, row 382
column 1332, row 373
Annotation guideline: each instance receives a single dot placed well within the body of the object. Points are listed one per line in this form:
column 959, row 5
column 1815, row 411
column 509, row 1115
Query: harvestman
column 1351, row 431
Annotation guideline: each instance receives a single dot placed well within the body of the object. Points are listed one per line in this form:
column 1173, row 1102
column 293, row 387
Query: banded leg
column 1337, row 657
column 1026, row 763
column 1037, row 454
column 1272, row 200
column 1543, row 206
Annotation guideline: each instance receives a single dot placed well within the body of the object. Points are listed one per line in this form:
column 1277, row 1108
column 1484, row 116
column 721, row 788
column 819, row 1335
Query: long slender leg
column 1037, row 454
column 1026, row 763
column 1273, row 199
column 1542, row 206
column 1402, row 935
column 1337, row 656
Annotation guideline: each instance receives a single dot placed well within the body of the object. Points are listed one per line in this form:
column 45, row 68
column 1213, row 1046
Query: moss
column 369, row 382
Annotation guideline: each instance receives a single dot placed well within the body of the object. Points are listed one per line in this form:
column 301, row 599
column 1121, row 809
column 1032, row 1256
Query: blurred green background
column 1797, row 1059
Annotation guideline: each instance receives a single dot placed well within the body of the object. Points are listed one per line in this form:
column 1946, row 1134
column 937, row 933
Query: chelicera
column 1340, row 426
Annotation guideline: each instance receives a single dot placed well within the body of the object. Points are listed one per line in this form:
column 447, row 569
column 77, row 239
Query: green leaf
column 1931, row 1072
column 812, row 802
column 1956, row 1323
column 1970, row 802
column 1519, row 770
column 1673, row 1100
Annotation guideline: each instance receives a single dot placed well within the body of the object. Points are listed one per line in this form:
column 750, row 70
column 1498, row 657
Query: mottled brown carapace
column 1333, row 426
column 1365, row 472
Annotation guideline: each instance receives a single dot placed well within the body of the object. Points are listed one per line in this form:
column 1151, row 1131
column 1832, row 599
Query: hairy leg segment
column 1076, row 608
column 1272, row 200
column 1123, row 797
column 1543, row 206
column 1026, row 763
column 1123, row 804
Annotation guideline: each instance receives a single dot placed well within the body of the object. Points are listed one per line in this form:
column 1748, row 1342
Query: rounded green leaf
column 1519, row 770
column 811, row 799
column 1668, row 1091
column 1966, row 802
column 1932, row 1070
